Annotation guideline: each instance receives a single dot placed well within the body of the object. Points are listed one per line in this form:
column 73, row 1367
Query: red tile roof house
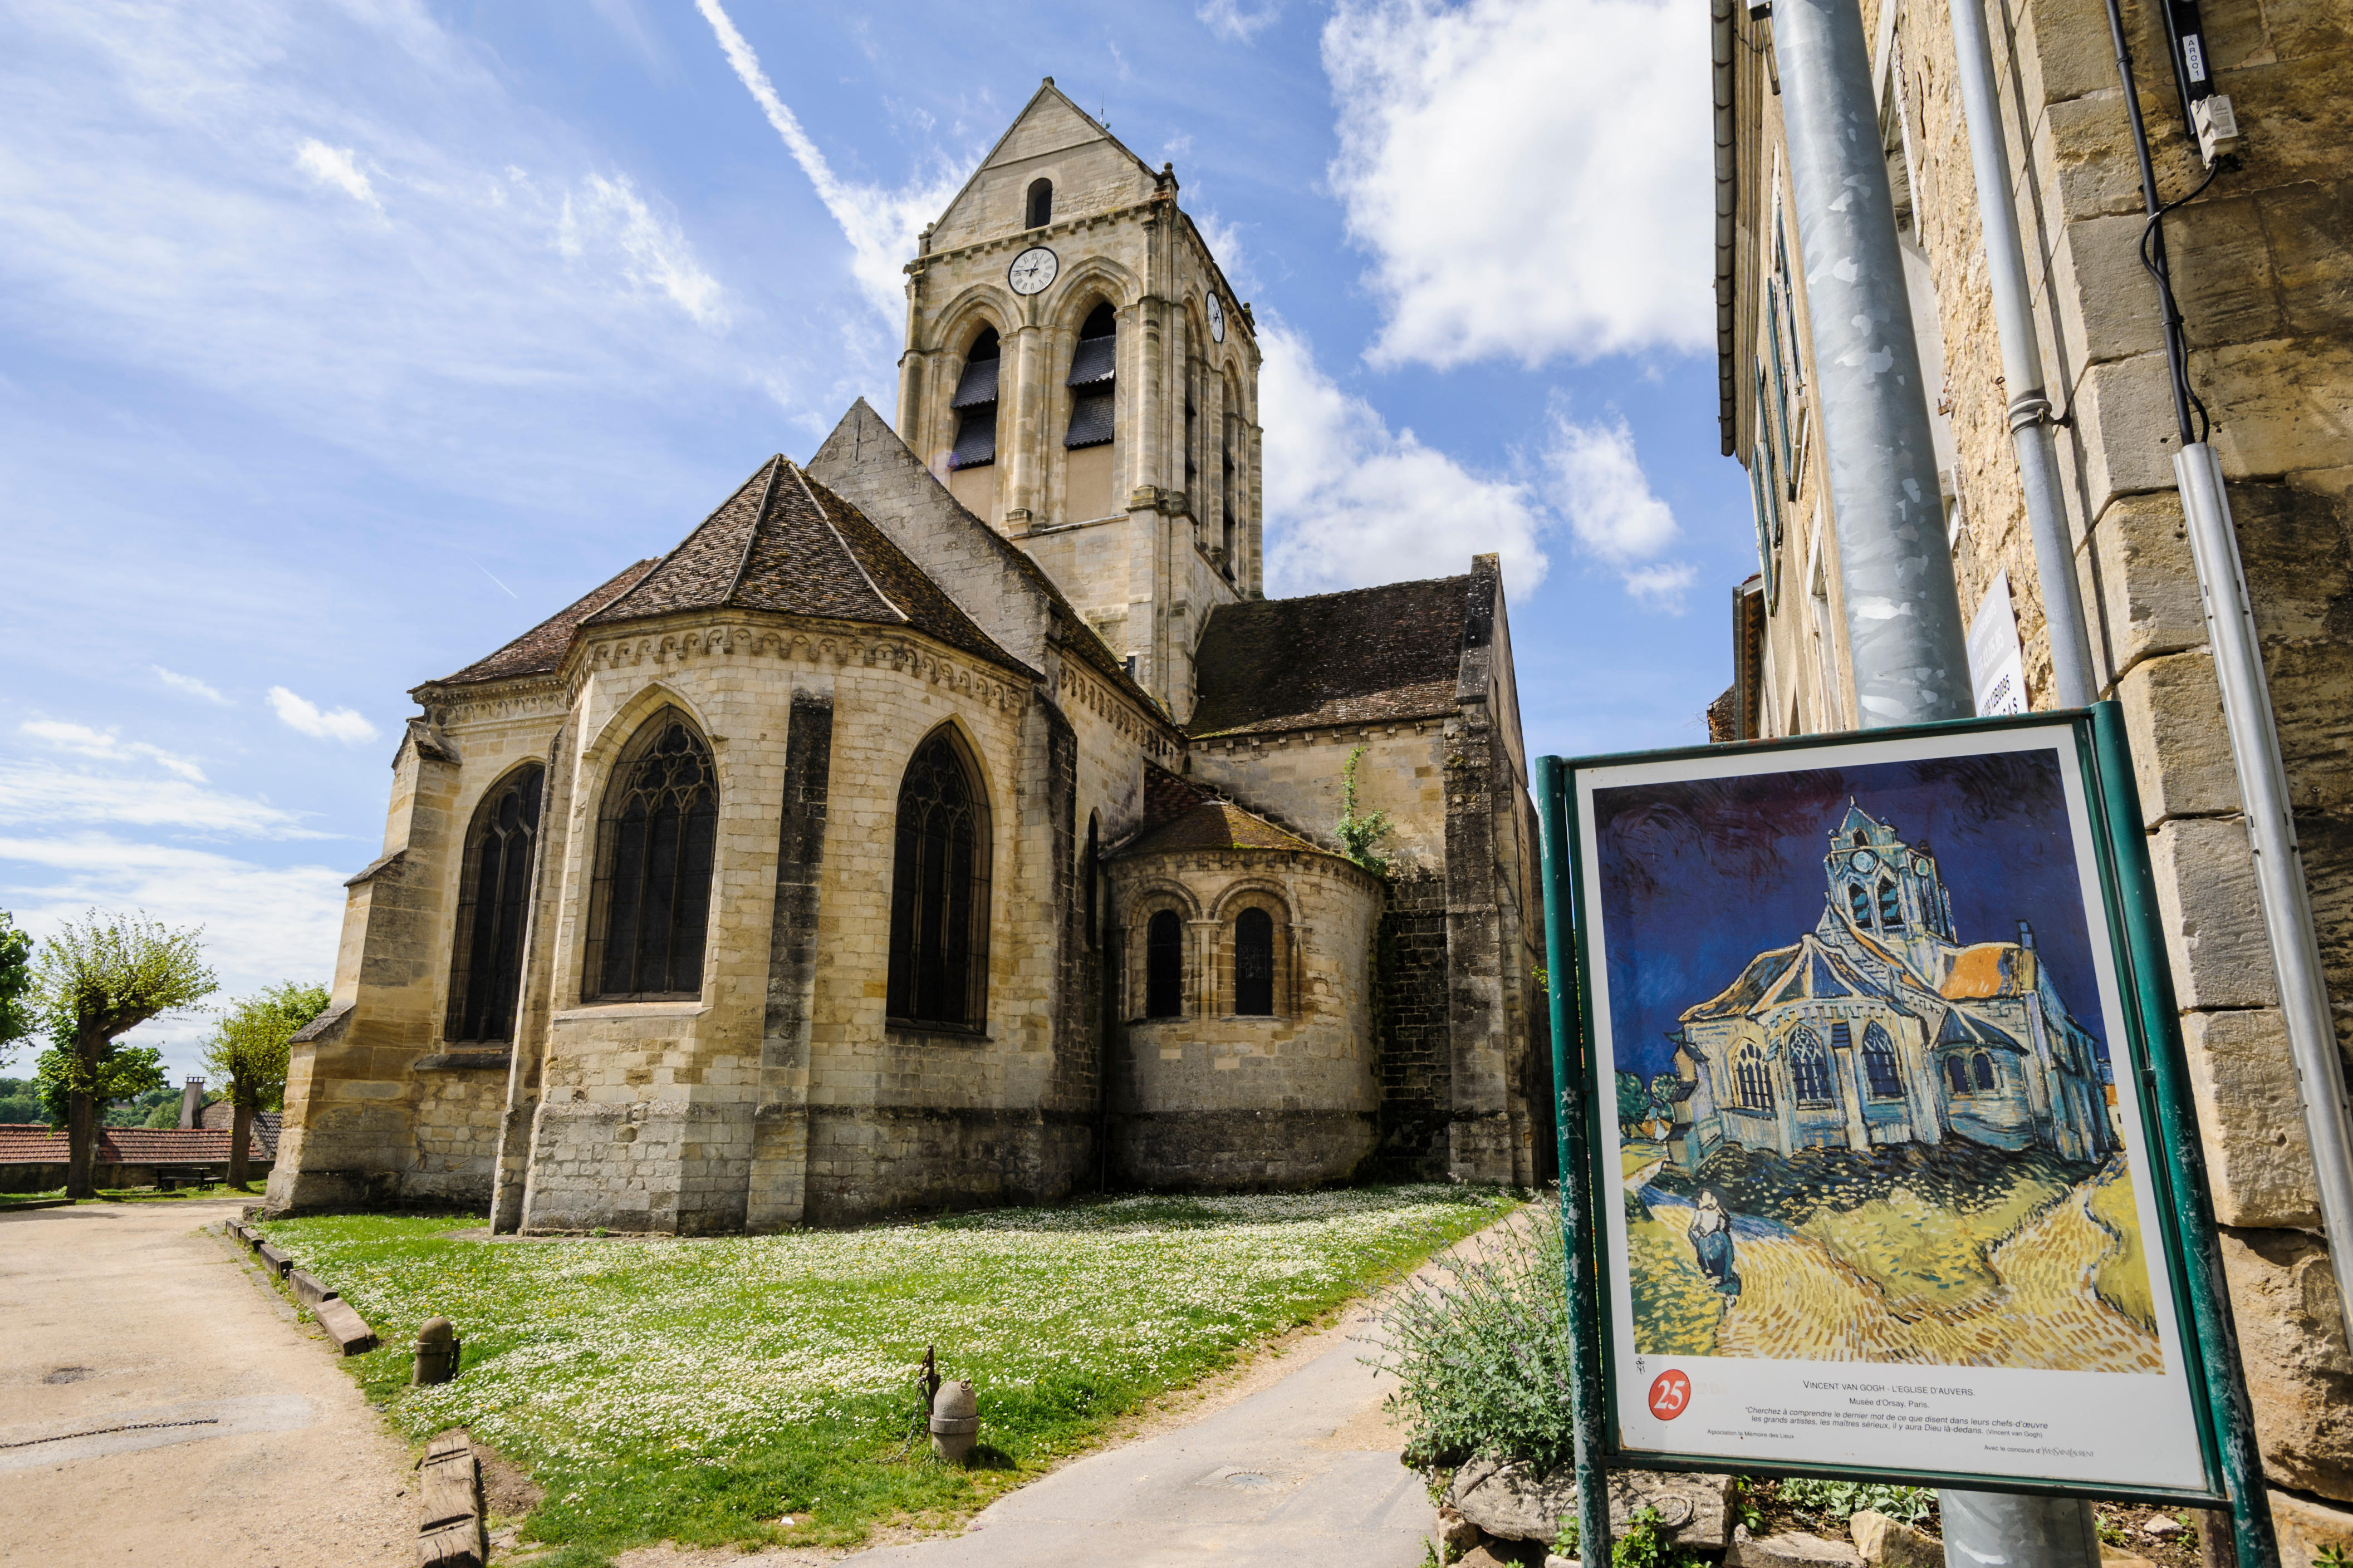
column 33, row 1157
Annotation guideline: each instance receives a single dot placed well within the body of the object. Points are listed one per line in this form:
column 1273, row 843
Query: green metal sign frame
column 2154, row 1070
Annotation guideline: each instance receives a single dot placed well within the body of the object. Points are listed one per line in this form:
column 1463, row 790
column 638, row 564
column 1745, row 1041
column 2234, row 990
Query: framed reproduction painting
column 1871, row 1158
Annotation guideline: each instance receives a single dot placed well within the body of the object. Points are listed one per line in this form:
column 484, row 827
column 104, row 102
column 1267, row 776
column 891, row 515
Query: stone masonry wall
column 1412, row 1061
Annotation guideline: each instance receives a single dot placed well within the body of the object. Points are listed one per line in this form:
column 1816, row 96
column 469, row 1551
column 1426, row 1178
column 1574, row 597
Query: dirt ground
column 162, row 1408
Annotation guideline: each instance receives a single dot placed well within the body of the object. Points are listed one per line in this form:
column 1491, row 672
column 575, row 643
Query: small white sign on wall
column 1997, row 669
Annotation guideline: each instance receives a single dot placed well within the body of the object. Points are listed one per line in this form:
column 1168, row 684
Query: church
column 950, row 819
column 1881, row 1027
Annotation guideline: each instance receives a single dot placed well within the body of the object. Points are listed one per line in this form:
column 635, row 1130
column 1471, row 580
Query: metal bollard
column 956, row 1421
column 437, row 1349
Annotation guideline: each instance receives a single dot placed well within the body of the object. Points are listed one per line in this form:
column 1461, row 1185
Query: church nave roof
column 1809, row 971
column 1363, row 655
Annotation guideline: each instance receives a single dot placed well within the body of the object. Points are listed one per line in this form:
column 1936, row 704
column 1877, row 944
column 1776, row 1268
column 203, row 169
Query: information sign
column 1876, row 1174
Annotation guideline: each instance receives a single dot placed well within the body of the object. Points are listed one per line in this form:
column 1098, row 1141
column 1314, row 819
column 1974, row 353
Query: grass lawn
column 130, row 1195
column 697, row 1390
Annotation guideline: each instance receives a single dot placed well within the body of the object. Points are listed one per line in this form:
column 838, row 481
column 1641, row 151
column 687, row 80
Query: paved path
column 238, row 1440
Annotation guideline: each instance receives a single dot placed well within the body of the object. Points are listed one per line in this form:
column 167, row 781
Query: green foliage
column 159, row 1106
column 1841, row 1500
column 103, row 978
column 20, row 1100
column 15, row 981
column 1644, row 1542
column 1358, row 834
column 1483, row 1361
column 2333, row 1555
column 250, row 1045
column 124, row 1073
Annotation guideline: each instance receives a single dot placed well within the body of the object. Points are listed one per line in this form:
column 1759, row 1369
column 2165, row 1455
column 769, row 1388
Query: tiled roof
column 1361, row 657
column 1217, row 824
column 1810, row 971
column 265, row 1123
column 541, row 649
column 30, row 1143
column 785, row 542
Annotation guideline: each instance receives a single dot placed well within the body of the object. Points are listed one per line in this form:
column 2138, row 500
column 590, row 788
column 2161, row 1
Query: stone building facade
column 919, row 833
column 2259, row 262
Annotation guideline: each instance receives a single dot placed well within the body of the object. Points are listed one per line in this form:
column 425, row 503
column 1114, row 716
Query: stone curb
column 449, row 1533
column 329, row 1310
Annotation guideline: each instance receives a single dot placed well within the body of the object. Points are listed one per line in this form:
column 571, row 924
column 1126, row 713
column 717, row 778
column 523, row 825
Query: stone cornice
column 1081, row 687
column 681, row 640
column 523, row 697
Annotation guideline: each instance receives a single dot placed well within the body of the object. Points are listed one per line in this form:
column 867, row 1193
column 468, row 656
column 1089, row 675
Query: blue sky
column 339, row 342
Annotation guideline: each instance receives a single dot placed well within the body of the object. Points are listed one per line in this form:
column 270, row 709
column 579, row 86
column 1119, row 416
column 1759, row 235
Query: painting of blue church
column 1879, row 1026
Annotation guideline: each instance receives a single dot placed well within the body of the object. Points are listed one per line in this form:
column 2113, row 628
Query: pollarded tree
column 99, row 981
column 250, row 1050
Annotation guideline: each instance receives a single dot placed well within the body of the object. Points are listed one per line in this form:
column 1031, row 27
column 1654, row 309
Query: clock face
column 1217, row 316
column 1920, row 864
column 1033, row 270
column 1864, row 860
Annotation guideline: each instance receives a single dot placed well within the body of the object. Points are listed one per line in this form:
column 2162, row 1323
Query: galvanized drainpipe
column 2073, row 680
column 1725, row 39
column 1904, row 617
column 1903, row 611
column 2280, row 887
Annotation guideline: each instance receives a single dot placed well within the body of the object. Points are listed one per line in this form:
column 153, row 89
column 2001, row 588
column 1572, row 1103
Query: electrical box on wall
column 2217, row 126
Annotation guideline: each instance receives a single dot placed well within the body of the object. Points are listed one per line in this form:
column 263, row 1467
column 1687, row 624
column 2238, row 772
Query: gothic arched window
column 1164, row 965
column 651, row 901
column 1254, row 963
column 1860, row 902
column 493, row 904
column 1879, row 1064
column 1810, row 1070
column 1756, row 1083
column 974, row 403
column 1891, row 909
column 1956, row 1073
column 1038, row 210
column 1984, row 1067
column 939, row 892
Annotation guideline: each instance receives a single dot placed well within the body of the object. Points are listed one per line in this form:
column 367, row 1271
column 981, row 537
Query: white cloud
column 1351, row 502
column 611, row 213
column 189, row 684
column 106, row 745
column 34, row 795
column 1235, row 22
column 336, row 166
column 881, row 225
column 261, row 924
column 1532, row 177
column 344, row 725
column 1599, row 486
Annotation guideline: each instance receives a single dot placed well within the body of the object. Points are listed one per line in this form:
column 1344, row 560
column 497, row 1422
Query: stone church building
column 950, row 819
column 1881, row 1027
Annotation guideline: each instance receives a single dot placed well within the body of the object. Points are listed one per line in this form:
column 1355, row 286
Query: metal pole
column 1579, row 1224
column 1902, row 613
column 2073, row 679
column 2279, row 886
column 2228, row 1411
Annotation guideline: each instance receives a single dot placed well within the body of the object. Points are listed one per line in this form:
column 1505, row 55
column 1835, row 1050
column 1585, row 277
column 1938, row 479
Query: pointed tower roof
column 1857, row 818
column 1049, row 126
column 784, row 542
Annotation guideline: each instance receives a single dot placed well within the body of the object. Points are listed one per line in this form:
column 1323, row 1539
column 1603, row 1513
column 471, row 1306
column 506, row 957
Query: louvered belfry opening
column 1164, row 965
column 1254, row 963
column 939, row 892
column 652, row 901
column 976, row 404
column 1038, row 210
column 1093, row 367
column 493, row 906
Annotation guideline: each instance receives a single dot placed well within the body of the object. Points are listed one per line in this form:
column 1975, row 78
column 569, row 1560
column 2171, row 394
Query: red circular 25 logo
column 1671, row 1395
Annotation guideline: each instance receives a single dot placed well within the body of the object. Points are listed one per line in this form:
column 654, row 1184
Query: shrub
column 1484, row 1359
column 1842, row 1500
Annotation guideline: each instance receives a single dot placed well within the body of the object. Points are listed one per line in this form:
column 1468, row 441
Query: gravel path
column 159, row 1406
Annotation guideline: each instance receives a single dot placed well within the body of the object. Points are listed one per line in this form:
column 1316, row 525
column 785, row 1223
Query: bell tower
column 1080, row 376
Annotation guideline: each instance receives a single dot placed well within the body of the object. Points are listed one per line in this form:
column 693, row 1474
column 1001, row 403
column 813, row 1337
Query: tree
column 250, row 1050
column 128, row 1075
column 1633, row 1099
column 99, row 981
column 16, row 979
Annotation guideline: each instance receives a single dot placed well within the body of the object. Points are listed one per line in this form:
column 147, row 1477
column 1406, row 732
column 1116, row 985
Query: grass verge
column 698, row 1390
